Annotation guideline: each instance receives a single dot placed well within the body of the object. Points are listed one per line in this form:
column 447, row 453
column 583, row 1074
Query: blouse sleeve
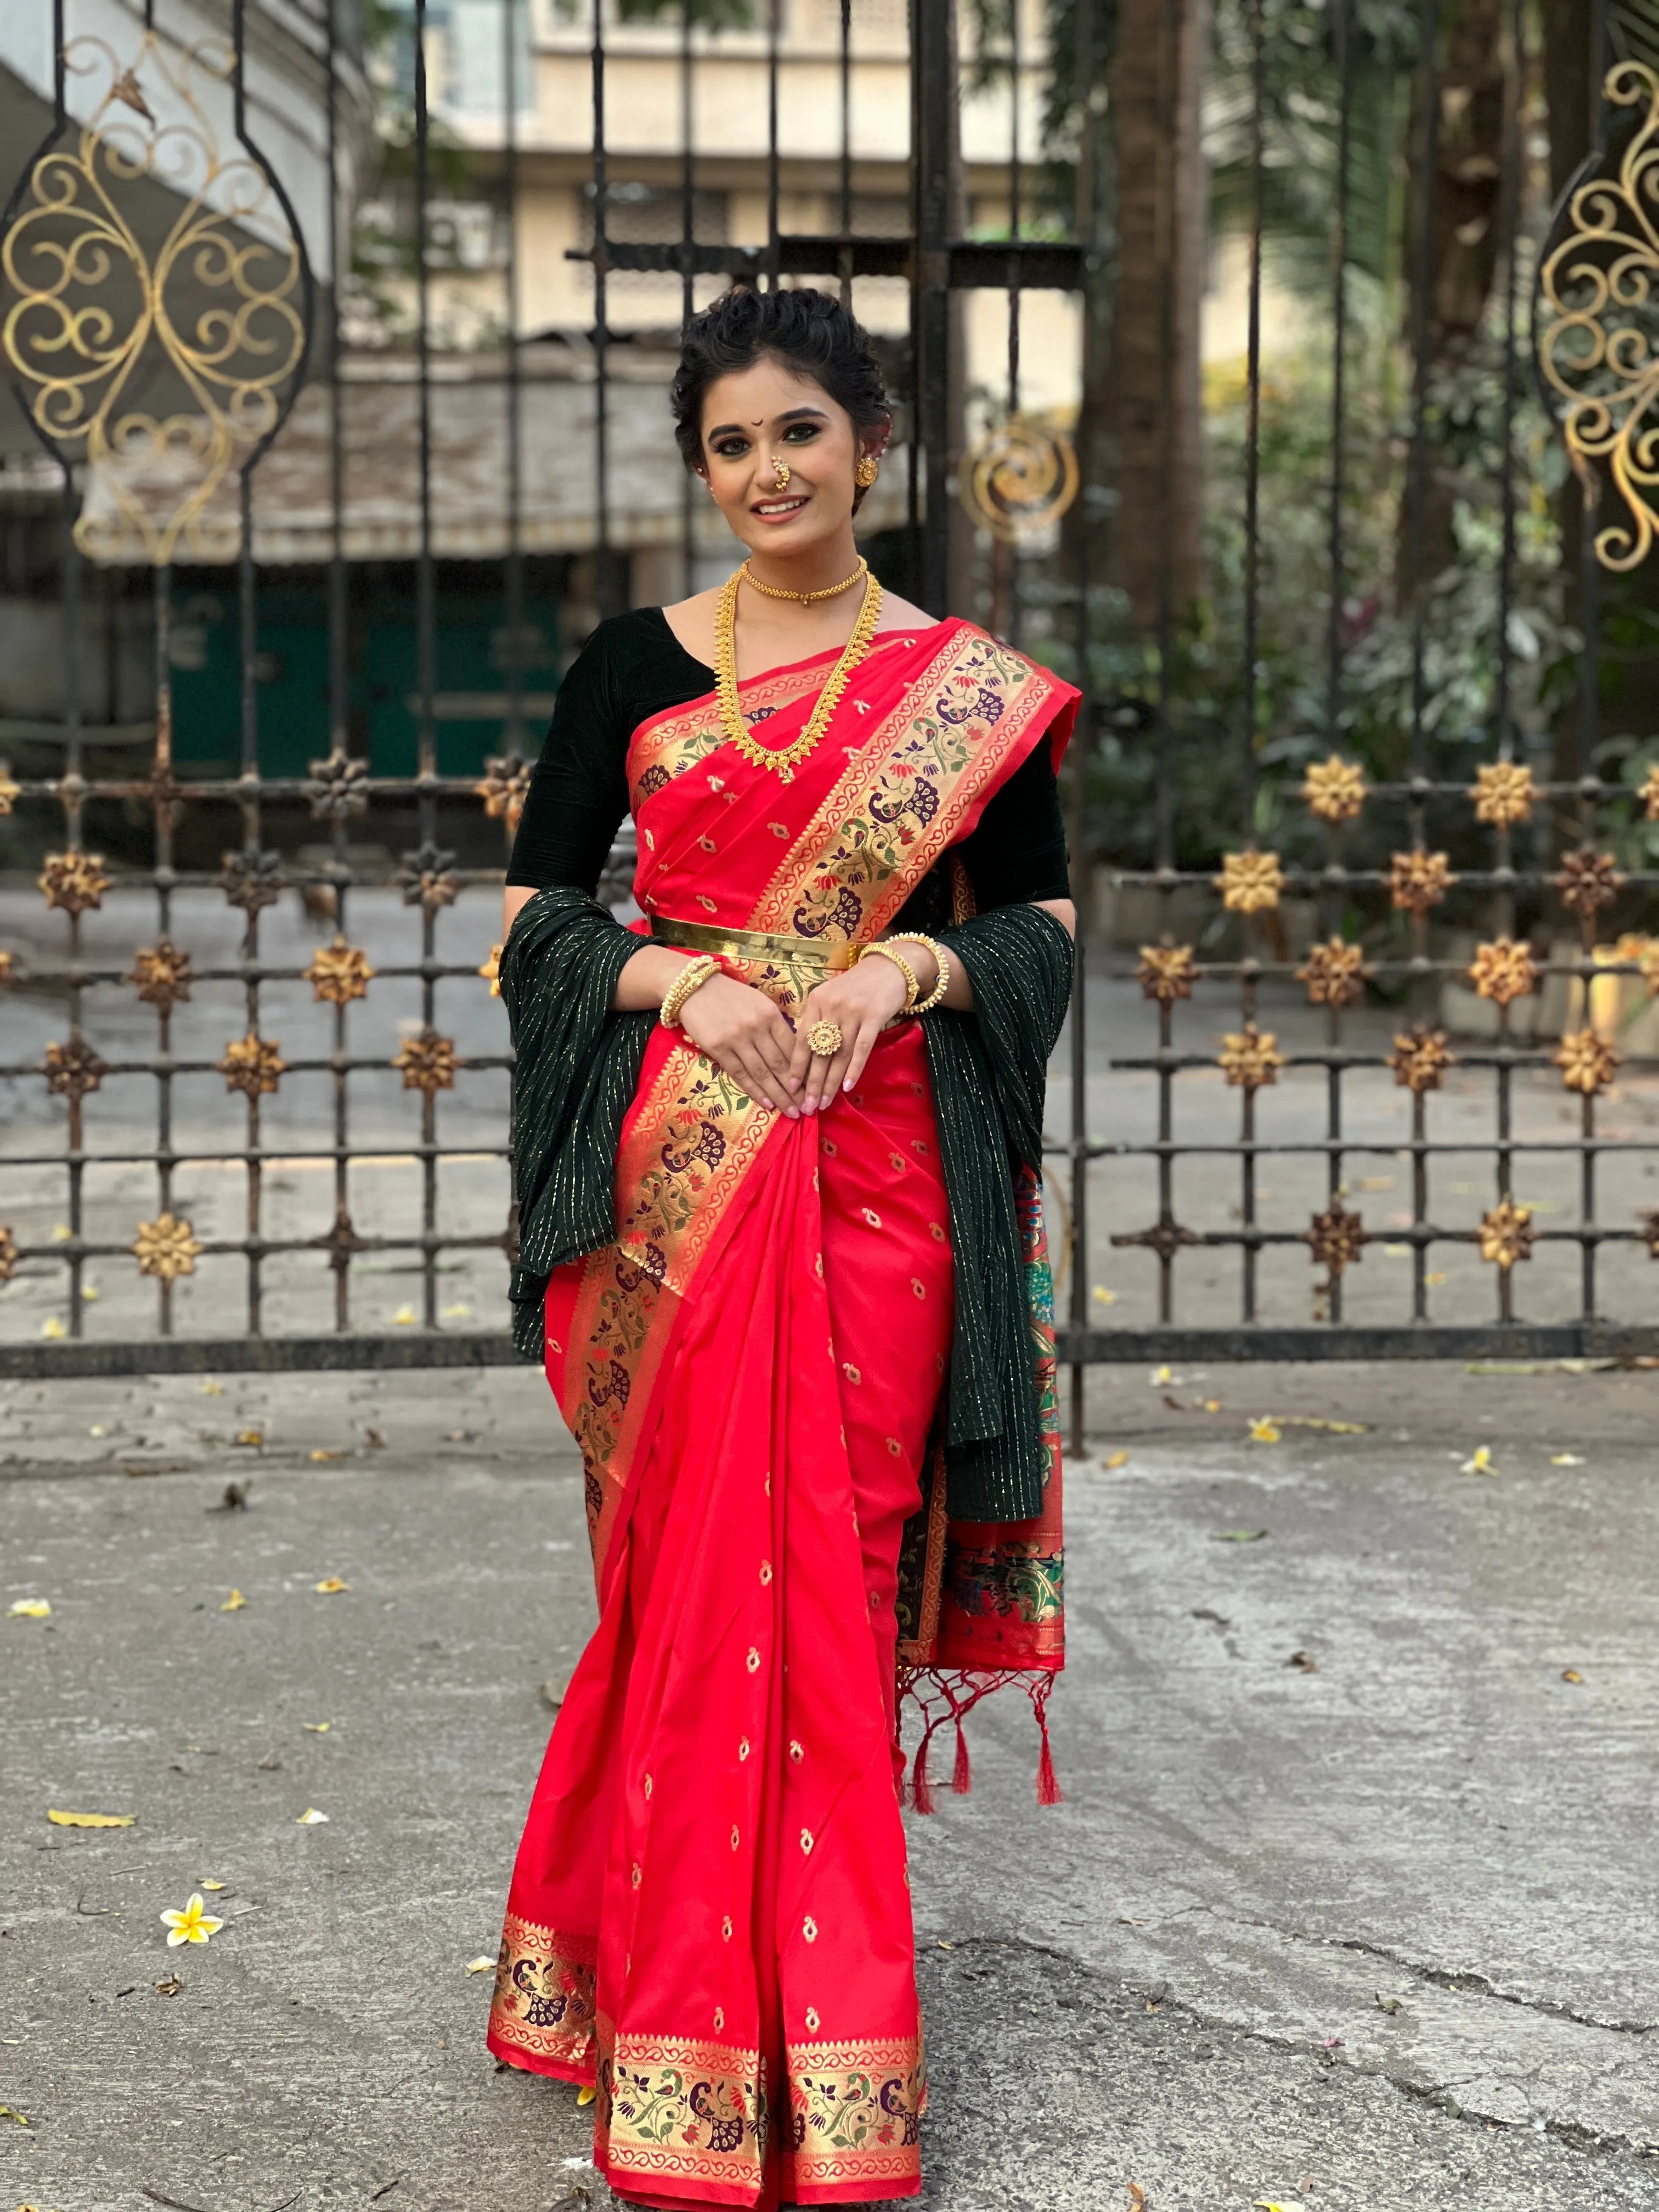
column 578, row 795
column 1018, row 852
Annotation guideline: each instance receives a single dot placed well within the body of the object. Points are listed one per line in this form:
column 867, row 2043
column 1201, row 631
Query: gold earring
column 866, row 472
column 780, row 473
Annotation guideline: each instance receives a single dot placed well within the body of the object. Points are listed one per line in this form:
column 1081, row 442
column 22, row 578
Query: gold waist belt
column 752, row 944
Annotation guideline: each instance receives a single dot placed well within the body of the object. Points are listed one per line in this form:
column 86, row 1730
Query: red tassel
column 1048, row 1781
column 962, row 1780
column 921, row 1790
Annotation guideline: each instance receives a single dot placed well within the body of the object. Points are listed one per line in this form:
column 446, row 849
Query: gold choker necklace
column 804, row 598
column 784, row 760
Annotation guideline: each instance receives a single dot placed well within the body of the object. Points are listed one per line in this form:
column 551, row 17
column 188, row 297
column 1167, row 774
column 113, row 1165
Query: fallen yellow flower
column 330, row 1586
column 480, row 1966
column 53, row 1328
column 1264, row 1430
column 212, row 1390
column 320, row 1456
column 311, row 1818
column 11, row 2112
column 234, row 1603
column 28, row 1609
column 1116, row 1459
column 1103, row 1296
column 586, row 2095
column 404, row 1318
column 90, row 1820
column 249, row 1436
column 195, row 1925
column 1566, row 1459
column 206, row 1884
column 317, row 1728
column 1478, row 1461
column 1571, row 1674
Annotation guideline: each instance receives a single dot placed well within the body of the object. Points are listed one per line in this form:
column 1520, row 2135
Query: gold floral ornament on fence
column 1418, row 881
column 1334, row 791
column 1166, row 973
column 1503, row 793
column 491, row 971
column 7, row 1256
column 1586, row 1064
column 73, row 1069
column 1505, row 970
column 1337, row 1238
column 10, row 793
column 1648, row 793
column 428, row 1062
column 161, row 975
column 1589, row 880
column 505, row 787
column 1019, row 478
column 1507, row 1234
column 1593, row 324
column 1334, row 974
column 253, row 1064
column 1249, row 1058
column 166, row 1247
column 1419, row 1060
column 159, row 296
column 73, row 882
column 1250, row 883
column 338, row 972
column 338, row 788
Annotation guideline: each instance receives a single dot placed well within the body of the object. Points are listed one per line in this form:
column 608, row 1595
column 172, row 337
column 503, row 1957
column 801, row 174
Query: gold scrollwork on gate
column 1598, row 320
column 158, row 297
column 1019, row 478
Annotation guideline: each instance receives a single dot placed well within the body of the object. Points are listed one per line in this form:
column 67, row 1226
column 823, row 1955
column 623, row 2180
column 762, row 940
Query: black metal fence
column 339, row 416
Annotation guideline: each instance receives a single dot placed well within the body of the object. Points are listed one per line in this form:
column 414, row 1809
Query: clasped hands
column 743, row 1033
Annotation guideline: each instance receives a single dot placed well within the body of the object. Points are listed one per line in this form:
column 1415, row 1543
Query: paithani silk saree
column 709, row 1917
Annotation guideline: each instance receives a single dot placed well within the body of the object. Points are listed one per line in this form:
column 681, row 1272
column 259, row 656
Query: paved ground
column 1373, row 1935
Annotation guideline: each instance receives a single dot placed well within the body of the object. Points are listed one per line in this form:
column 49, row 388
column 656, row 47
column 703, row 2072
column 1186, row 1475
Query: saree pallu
column 709, row 1917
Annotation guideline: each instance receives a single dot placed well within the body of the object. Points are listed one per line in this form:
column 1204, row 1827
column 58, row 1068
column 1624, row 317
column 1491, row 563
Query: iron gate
column 339, row 383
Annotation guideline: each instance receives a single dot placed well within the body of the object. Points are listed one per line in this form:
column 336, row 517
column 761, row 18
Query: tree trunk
column 1448, row 295
column 1143, row 424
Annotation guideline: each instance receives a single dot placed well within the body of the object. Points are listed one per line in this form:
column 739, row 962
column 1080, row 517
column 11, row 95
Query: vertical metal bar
column 1428, row 158
column 935, row 106
column 687, row 294
column 774, row 33
column 425, row 655
column 1083, row 32
column 1253, row 425
column 161, row 784
column 1248, row 1251
column 845, row 258
column 1341, row 28
column 603, row 593
column 516, row 733
column 1012, row 617
column 1590, row 481
column 339, row 709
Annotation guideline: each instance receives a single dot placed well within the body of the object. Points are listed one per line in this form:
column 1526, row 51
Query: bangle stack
column 692, row 977
column 914, row 1002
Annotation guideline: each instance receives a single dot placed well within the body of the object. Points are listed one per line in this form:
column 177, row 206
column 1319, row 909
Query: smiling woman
column 778, row 1150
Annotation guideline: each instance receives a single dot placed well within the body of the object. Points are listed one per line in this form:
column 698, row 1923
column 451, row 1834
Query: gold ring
column 825, row 1039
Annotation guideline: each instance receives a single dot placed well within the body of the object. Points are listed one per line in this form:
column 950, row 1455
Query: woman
column 776, row 1159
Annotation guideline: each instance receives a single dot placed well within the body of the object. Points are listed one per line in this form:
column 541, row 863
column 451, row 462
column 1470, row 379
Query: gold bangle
column 912, row 986
column 692, row 977
column 942, row 958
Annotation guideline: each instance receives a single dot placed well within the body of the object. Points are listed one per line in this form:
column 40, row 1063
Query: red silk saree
column 709, row 1917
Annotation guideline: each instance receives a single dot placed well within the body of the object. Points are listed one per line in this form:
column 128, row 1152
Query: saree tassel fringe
column 958, row 1692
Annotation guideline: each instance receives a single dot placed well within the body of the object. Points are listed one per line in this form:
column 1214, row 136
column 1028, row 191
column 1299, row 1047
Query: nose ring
column 780, row 473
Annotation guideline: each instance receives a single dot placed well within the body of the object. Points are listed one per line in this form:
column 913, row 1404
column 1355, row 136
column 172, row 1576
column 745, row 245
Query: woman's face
column 768, row 415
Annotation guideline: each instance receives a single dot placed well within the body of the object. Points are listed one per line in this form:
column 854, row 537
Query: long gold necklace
column 804, row 598
column 784, row 760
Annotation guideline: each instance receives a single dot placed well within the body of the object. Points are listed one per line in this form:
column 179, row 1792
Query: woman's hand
column 740, row 1030
column 860, row 1001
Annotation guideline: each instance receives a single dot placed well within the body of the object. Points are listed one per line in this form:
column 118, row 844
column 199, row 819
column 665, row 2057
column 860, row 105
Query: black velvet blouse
column 633, row 667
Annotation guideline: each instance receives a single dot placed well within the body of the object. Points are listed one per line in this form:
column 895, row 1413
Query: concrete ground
column 1349, row 1907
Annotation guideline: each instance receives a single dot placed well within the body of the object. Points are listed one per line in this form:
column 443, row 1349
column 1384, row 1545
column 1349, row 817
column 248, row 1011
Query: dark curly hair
column 808, row 332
